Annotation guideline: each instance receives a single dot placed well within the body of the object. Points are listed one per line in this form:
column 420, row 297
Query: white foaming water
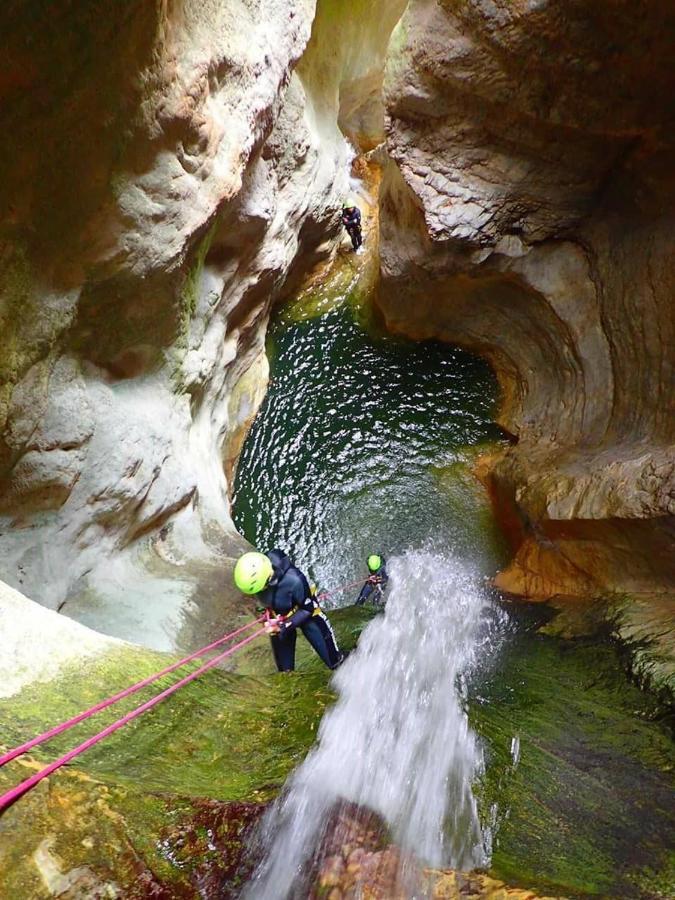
column 398, row 740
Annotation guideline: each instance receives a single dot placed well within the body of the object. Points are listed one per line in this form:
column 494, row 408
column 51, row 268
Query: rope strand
column 109, row 701
column 12, row 795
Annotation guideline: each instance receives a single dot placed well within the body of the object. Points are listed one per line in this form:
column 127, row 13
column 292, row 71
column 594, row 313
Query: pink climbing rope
column 12, row 795
column 127, row 692
column 134, row 688
column 337, row 590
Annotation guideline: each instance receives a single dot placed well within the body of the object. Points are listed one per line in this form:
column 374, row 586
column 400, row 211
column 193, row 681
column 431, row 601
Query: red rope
column 64, row 726
column 10, row 796
column 337, row 590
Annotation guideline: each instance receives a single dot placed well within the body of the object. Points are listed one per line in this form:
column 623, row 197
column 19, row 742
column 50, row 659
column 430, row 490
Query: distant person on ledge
column 351, row 219
column 373, row 588
column 285, row 592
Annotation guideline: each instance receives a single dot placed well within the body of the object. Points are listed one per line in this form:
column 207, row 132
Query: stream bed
column 480, row 739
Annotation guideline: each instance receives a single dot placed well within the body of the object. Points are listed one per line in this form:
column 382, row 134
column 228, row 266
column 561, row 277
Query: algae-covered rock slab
column 579, row 786
column 162, row 807
column 80, row 838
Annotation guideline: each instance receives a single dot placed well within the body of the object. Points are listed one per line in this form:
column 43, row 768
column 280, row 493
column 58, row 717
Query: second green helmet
column 252, row 572
column 374, row 562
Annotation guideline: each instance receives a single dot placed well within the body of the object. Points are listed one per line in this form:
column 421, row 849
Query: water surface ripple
column 347, row 454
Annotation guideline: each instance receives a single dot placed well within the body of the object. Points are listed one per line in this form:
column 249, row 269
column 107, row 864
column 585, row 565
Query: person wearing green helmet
column 374, row 585
column 285, row 592
column 351, row 219
column 252, row 573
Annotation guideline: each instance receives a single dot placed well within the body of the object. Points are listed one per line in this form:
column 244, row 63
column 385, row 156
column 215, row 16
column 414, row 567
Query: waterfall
column 398, row 739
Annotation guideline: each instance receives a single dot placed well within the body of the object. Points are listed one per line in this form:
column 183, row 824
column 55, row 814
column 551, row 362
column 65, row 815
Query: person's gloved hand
column 273, row 626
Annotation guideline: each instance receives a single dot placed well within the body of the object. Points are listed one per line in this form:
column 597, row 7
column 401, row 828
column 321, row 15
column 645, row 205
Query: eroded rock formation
column 144, row 235
column 527, row 212
column 358, row 860
column 166, row 170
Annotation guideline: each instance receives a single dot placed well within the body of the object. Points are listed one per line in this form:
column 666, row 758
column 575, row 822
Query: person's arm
column 302, row 614
column 297, row 620
column 366, row 591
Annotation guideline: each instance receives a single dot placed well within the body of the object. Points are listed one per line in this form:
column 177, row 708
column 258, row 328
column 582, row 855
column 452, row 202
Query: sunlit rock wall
column 528, row 213
column 159, row 169
column 168, row 172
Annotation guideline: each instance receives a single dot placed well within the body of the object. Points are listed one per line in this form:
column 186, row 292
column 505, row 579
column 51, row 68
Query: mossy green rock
column 161, row 806
column 579, row 770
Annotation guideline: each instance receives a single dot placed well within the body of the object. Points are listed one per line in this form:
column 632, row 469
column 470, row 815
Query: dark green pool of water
column 364, row 444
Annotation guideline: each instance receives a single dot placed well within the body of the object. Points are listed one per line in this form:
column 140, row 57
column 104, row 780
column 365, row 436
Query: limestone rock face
column 527, row 212
column 61, row 642
column 161, row 174
column 168, row 170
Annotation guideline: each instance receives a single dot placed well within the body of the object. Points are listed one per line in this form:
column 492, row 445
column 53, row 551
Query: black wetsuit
column 351, row 219
column 289, row 595
column 373, row 588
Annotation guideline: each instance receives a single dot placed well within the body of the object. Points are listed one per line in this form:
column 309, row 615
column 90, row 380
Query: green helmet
column 374, row 562
column 349, row 203
column 252, row 572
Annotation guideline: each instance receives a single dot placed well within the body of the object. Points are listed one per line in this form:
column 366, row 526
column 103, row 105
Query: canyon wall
column 171, row 170
column 527, row 213
column 167, row 172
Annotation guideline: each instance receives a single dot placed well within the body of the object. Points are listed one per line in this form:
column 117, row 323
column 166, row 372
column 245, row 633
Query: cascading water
column 364, row 444
column 398, row 740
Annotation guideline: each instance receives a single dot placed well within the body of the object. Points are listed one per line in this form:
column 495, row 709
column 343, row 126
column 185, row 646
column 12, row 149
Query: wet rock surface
column 527, row 213
column 88, row 840
column 357, row 861
column 164, row 807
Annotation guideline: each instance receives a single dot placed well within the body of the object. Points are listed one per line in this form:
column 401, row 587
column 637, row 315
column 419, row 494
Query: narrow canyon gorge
column 173, row 175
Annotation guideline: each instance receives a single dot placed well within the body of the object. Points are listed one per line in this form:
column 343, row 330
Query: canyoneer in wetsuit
column 285, row 592
column 374, row 585
column 351, row 219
